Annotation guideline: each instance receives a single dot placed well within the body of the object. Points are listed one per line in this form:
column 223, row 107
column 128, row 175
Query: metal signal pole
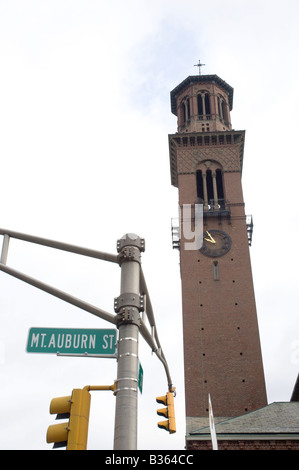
column 129, row 304
column 128, row 307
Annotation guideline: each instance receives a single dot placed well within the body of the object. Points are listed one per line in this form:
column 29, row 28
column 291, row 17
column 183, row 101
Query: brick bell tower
column 222, row 353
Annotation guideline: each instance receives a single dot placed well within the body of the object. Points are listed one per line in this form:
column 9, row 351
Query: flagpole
column 212, row 426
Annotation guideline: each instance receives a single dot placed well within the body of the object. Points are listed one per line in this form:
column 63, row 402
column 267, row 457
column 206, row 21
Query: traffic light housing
column 73, row 433
column 168, row 412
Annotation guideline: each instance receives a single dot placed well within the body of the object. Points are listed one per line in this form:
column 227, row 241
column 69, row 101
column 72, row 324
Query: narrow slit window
column 216, row 270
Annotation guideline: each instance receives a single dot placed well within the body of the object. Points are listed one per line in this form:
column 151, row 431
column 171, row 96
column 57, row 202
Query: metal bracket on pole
column 129, row 299
column 91, row 388
column 128, row 307
column 132, row 379
column 131, row 240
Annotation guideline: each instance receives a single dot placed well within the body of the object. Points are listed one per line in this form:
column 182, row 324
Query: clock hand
column 211, row 239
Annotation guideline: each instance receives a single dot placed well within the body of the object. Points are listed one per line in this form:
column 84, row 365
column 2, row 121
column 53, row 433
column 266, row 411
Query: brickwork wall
column 222, row 353
column 275, row 444
column 221, row 339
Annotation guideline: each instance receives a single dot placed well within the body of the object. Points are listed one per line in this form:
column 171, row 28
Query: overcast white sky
column 84, row 123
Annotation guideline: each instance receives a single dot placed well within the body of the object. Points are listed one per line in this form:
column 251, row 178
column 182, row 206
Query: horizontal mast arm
column 60, row 246
column 58, row 293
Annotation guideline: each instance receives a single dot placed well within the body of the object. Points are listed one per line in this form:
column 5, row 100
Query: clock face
column 215, row 243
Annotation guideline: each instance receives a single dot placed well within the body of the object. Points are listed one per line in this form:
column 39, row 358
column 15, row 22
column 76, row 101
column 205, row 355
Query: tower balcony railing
column 249, row 225
column 214, row 208
column 175, row 227
column 175, row 233
column 204, row 117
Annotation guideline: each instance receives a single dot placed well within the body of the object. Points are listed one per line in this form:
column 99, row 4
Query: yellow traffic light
column 168, row 412
column 58, row 433
column 73, row 433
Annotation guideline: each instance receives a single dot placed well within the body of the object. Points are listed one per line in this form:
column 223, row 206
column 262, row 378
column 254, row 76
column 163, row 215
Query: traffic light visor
column 57, row 433
column 162, row 400
column 61, row 405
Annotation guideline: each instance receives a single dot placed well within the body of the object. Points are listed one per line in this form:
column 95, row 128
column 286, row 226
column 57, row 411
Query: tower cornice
column 191, row 148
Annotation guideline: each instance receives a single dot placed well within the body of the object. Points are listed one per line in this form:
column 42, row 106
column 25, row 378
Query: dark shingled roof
column 276, row 418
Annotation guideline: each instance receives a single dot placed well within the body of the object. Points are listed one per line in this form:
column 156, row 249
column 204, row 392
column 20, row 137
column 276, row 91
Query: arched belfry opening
column 210, row 188
column 203, row 105
column 185, row 110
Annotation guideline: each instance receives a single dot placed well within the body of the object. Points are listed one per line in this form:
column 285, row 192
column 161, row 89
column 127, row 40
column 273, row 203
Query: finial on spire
column 199, row 65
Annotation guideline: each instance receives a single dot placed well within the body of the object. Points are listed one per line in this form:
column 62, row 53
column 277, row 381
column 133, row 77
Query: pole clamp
column 129, row 248
column 129, row 300
column 128, row 315
column 128, row 307
column 129, row 253
column 132, row 240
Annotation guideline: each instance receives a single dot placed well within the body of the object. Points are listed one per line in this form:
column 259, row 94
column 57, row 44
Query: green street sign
column 140, row 377
column 72, row 341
